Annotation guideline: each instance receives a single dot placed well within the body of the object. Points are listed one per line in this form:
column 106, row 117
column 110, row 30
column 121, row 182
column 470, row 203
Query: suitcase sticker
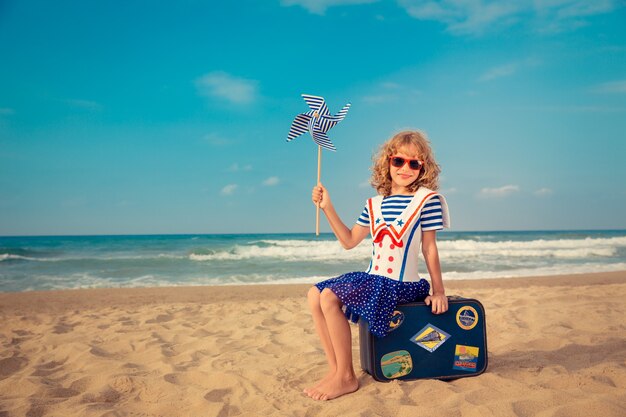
column 430, row 337
column 396, row 320
column 466, row 358
column 467, row 317
column 396, row 364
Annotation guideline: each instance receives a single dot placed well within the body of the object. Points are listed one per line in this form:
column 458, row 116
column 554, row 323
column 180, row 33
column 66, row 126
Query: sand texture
column 557, row 347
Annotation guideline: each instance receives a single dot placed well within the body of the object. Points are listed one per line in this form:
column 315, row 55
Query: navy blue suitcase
column 421, row 344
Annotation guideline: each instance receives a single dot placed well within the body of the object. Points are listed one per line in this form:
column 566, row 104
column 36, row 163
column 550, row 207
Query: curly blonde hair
column 429, row 173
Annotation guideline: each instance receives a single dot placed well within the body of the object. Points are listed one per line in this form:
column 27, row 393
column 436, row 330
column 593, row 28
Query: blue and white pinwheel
column 317, row 121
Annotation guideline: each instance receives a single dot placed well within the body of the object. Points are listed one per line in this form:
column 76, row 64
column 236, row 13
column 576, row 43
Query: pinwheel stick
column 319, row 178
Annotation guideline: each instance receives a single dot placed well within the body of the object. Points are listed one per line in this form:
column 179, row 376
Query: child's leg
column 344, row 380
column 322, row 331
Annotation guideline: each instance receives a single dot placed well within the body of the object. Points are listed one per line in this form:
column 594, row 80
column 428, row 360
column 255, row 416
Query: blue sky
column 138, row 117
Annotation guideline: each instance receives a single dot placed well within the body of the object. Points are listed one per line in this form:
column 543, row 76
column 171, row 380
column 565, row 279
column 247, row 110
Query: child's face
column 402, row 177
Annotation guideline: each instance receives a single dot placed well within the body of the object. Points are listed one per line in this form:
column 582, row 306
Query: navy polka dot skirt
column 374, row 297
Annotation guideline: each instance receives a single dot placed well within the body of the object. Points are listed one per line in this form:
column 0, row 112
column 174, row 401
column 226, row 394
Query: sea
column 37, row 263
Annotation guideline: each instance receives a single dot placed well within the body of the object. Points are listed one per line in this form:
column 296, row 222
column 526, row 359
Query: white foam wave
column 288, row 250
column 86, row 280
column 10, row 256
column 585, row 268
column 141, row 257
column 562, row 248
column 303, row 250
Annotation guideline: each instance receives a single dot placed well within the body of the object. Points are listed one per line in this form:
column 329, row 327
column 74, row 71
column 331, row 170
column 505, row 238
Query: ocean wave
column 13, row 257
column 86, row 280
column 286, row 250
column 561, row 248
column 585, row 268
column 304, row 250
column 269, row 259
column 331, row 251
column 89, row 281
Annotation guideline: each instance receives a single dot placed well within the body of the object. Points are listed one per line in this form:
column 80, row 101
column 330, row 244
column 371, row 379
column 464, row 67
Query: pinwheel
column 317, row 121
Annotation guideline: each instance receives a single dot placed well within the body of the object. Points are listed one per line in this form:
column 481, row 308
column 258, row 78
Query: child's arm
column 438, row 300
column 349, row 238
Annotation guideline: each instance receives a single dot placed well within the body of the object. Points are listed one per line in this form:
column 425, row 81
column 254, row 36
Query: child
column 407, row 213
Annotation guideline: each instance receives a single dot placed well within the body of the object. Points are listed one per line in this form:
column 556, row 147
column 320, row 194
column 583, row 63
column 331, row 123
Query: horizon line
column 298, row 233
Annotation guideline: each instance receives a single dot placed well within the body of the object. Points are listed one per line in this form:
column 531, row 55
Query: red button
column 392, row 247
column 390, row 258
column 376, row 268
column 390, row 270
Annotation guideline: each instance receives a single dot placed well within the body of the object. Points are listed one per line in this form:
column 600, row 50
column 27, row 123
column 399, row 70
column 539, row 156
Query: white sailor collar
column 408, row 216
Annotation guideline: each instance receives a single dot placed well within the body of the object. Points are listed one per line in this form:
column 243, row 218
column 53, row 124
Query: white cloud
column 508, row 69
column 237, row 168
column 478, row 16
column 320, row 6
column 578, row 109
column 216, row 140
column 389, row 91
column 229, row 189
column 451, row 190
column 365, row 184
column 498, row 72
column 271, row 181
column 565, row 9
column 6, row 111
column 379, row 98
column 499, row 191
column 611, row 87
column 461, row 17
column 227, row 87
column 543, row 192
column 390, row 85
column 83, row 104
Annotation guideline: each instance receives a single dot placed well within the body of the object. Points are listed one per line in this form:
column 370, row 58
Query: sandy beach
column 557, row 347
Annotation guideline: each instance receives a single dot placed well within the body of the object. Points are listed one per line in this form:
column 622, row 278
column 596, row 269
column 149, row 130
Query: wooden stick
column 319, row 177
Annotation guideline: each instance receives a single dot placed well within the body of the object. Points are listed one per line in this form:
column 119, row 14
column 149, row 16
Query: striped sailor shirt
column 431, row 216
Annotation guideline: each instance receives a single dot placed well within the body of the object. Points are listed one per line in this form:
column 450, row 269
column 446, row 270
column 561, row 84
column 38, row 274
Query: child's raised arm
column 349, row 238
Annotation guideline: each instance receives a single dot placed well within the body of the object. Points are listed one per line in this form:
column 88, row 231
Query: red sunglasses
column 398, row 162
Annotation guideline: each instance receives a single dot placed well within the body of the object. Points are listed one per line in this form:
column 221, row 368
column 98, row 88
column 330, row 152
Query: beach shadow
column 572, row 357
column 161, row 318
column 12, row 365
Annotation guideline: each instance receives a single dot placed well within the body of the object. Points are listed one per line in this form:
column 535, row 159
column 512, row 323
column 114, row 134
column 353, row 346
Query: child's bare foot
column 336, row 387
column 308, row 391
